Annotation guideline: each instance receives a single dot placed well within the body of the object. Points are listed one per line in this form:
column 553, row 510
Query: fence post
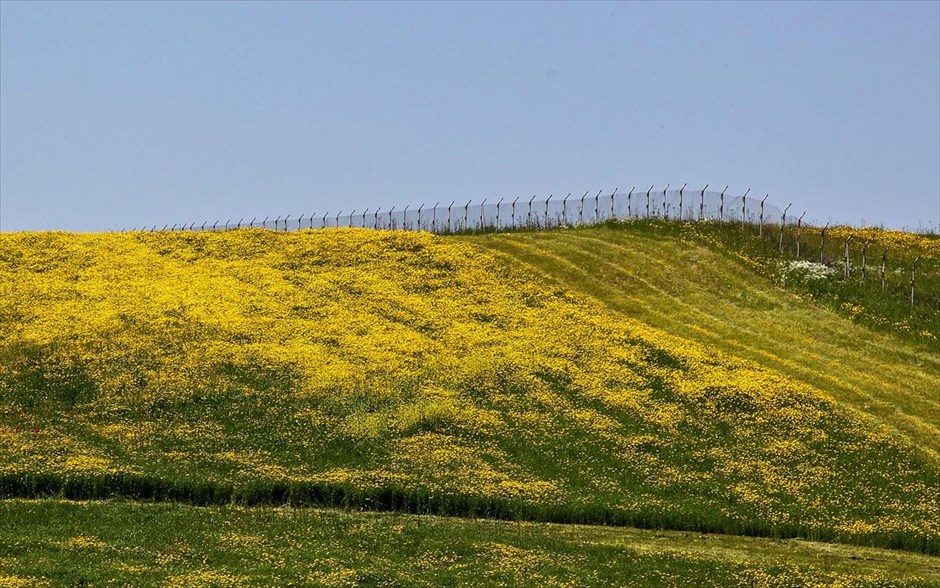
column 721, row 206
column 300, row 221
column 404, row 218
column 665, row 209
column 581, row 212
column 760, row 230
column 648, row 202
column 375, row 218
column 351, row 215
column 285, row 222
column 612, row 196
column 799, row 233
column 173, row 228
column 391, row 226
column 466, row 214
column 336, row 222
column 783, row 224
column 528, row 218
column 419, row 215
column 481, row 213
column 822, row 242
column 514, row 212
column 847, row 269
column 434, row 217
column 277, row 220
column 547, row 200
column 865, row 257
column 564, row 209
column 597, row 206
column 913, row 269
column 884, row 259
column 701, row 204
column 630, row 202
column 364, row 213
column 498, row 204
column 681, row 190
column 744, row 208
column 448, row 215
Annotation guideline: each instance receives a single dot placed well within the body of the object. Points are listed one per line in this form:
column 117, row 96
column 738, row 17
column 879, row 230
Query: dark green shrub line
column 315, row 494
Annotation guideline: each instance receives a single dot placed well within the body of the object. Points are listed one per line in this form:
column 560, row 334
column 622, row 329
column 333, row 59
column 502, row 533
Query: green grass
column 690, row 281
column 118, row 543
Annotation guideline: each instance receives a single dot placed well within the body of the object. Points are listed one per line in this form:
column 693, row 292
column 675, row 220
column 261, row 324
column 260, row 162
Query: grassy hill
column 719, row 288
column 634, row 374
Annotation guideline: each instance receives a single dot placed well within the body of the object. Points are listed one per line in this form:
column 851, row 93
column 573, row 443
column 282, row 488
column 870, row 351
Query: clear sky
column 117, row 115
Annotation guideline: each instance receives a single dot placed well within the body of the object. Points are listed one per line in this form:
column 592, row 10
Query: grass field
column 80, row 543
column 632, row 374
column 692, row 283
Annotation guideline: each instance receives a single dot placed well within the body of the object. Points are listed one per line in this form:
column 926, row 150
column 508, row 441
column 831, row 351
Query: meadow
column 67, row 543
column 723, row 288
column 647, row 375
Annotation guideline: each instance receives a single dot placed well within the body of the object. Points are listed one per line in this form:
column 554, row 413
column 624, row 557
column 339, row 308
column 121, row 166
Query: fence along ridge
column 554, row 212
column 520, row 213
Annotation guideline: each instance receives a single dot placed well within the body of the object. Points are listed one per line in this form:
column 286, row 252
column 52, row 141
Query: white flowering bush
column 804, row 271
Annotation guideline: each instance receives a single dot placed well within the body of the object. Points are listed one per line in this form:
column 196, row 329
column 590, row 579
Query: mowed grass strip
column 57, row 543
column 677, row 280
column 401, row 370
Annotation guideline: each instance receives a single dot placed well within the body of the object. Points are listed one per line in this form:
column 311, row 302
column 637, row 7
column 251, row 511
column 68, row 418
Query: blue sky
column 116, row 115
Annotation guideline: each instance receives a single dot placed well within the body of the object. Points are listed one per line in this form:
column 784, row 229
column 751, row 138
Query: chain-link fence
column 524, row 213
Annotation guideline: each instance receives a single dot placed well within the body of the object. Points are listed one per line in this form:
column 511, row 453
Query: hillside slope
column 676, row 278
column 406, row 371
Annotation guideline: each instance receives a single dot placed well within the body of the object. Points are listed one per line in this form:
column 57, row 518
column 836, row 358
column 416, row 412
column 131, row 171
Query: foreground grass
column 56, row 543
